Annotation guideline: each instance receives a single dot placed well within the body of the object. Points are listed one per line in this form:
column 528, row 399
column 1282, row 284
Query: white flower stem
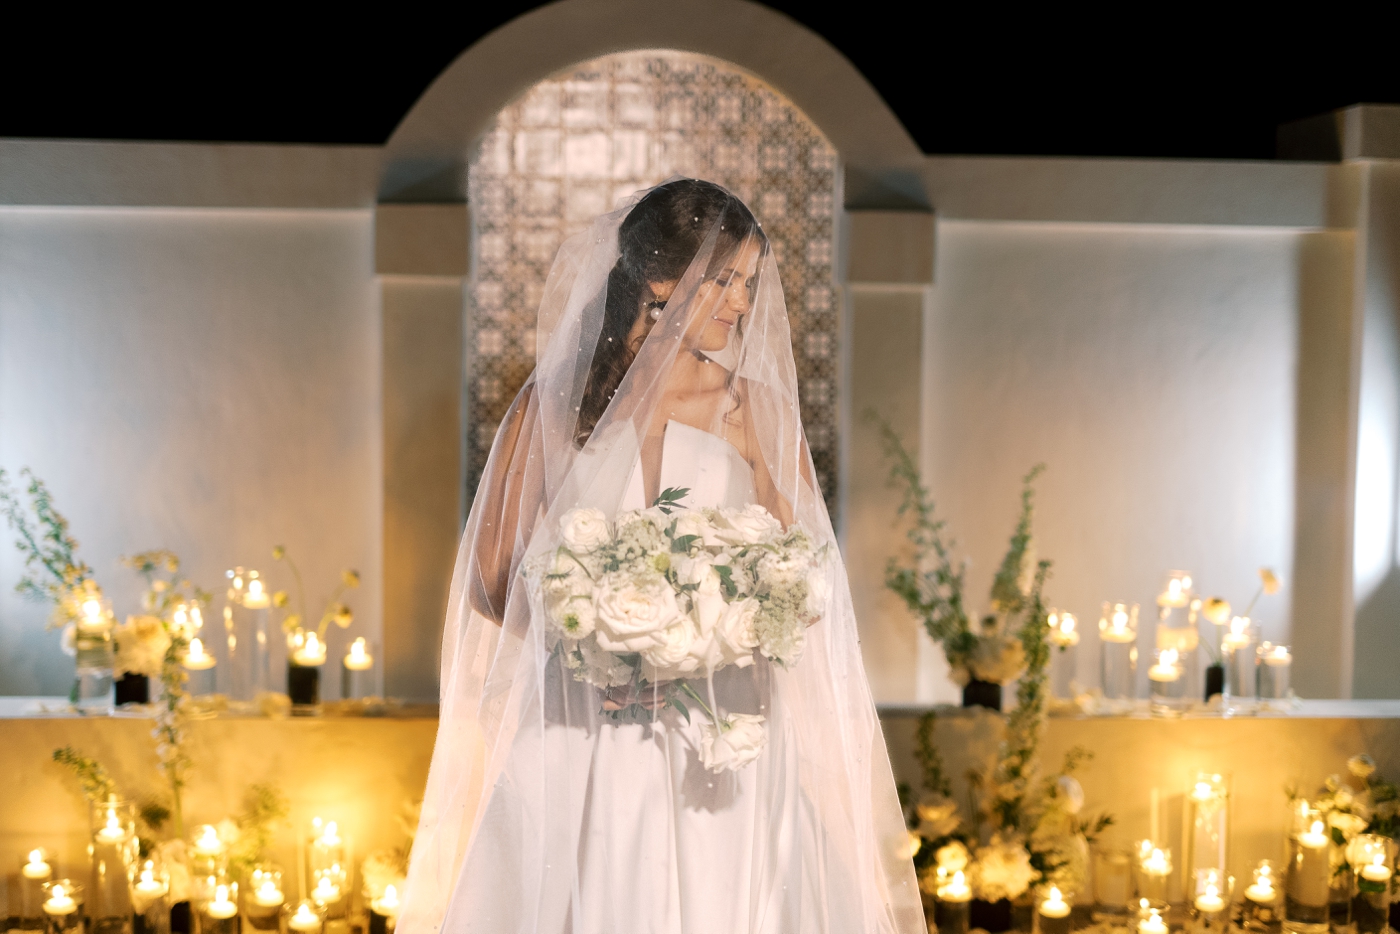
column 685, row 686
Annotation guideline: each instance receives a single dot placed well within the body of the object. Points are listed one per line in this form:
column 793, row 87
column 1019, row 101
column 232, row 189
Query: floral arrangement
column 1217, row 610
column 299, row 637
column 640, row 604
column 932, row 584
column 1349, row 811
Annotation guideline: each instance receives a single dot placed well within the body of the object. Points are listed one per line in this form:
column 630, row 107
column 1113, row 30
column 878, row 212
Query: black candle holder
column 304, row 684
column 982, row 694
column 133, row 689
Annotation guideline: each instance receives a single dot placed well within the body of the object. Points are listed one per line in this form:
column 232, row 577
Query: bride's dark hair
column 658, row 240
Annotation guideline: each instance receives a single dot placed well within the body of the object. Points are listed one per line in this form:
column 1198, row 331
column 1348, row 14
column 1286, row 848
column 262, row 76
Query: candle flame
column 221, row 893
column 255, row 588
column 36, row 856
column 1054, row 895
column 92, row 609
column 1202, row 790
column 1169, row 657
column 209, row 838
column 196, row 648
column 1379, row 860
column 1316, row 827
column 1212, row 890
column 58, row 892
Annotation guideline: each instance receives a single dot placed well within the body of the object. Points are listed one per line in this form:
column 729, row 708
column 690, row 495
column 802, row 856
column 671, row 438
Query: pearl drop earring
column 656, row 314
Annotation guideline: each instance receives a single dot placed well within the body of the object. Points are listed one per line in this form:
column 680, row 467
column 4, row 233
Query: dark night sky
column 1169, row 83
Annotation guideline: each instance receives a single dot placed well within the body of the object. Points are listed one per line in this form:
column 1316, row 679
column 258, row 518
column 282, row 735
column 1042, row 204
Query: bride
column 596, row 773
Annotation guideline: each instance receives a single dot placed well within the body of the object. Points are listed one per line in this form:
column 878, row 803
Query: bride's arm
column 503, row 515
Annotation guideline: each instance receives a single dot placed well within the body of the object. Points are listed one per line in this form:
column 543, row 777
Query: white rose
column 584, row 529
column 818, row 592
column 694, row 522
column 632, row 609
column 735, row 632
column 747, row 526
column 1071, row 792
column 1363, row 766
column 733, row 745
column 673, row 643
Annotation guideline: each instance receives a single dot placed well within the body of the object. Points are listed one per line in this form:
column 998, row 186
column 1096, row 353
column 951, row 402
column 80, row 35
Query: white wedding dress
column 665, row 846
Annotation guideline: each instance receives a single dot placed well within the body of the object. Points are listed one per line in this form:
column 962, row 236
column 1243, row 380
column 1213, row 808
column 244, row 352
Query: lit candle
column 1117, row 628
column 93, row 617
column 1238, row 636
column 208, row 842
column 330, row 832
column 196, row 659
column 388, row 904
column 267, row 894
column 113, row 833
column 1152, row 924
column 1376, row 870
column 1209, row 901
column 1178, row 592
column 1166, row 669
column 1063, row 630
column 1054, row 913
column 311, row 653
column 326, row 890
column 305, row 920
column 37, row 868
column 1310, row 872
column 1315, row 837
column 256, row 597
column 148, row 886
column 1278, row 657
column 1156, row 867
column 221, row 908
column 59, row 902
column 358, row 658
column 1262, row 891
column 956, row 890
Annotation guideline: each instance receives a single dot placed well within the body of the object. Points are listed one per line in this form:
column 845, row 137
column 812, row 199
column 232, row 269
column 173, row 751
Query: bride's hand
column 651, row 697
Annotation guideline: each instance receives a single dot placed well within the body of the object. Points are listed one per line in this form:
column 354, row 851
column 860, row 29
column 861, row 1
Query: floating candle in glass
column 357, row 672
column 1063, row 637
column 1154, row 873
column 113, row 848
column 36, row 867
column 1052, row 914
column 62, row 907
column 306, row 918
column 1372, row 858
column 1275, row 665
column 1167, row 684
column 952, row 905
column 1211, row 900
column 34, row 871
column 1308, row 877
column 384, row 911
column 262, row 904
column 1150, row 921
column 307, row 655
column 1208, row 825
column 1118, row 652
column 1113, row 884
column 199, row 667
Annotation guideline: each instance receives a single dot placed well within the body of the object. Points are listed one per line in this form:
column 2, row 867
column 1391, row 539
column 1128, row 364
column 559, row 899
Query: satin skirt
column 635, row 836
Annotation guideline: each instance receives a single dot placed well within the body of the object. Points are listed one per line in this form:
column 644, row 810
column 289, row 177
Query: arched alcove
column 578, row 143
column 425, row 158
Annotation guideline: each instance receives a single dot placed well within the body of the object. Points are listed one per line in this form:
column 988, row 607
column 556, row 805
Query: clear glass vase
column 114, row 848
column 94, row 690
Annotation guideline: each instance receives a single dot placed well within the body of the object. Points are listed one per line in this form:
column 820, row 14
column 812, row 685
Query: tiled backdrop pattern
column 577, row 144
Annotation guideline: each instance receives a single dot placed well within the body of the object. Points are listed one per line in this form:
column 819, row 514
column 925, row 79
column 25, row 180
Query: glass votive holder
column 263, row 897
column 1372, row 858
column 35, row 869
column 1113, row 885
column 1307, row 887
column 384, row 911
column 113, row 848
column 357, row 672
column 1167, row 684
column 208, row 855
column 1274, row 669
column 216, row 912
column 329, row 891
column 1150, row 919
column 1210, row 901
column 1154, row 873
column 1238, row 656
column 1118, row 652
column 306, row 656
column 953, row 905
column 63, row 907
column 305, row 917
column 1260, row 912
column 1063, row 639
column 150, row 891
column 1052, row 912
column 1207, row 828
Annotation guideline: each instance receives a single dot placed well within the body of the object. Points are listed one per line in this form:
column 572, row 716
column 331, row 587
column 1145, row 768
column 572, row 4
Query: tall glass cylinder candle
column 305, row 917
column 150, row 890
column 306, row 656
column 1113, row 885
column 34, row 870
column 953, row 905
column 95, row 691
column 1168, row 684
column 201, row 676
column 1118, row 628
column 218, row 912
column 328, row 862
column 1177, row 617
column 357, row 672
column 1308, row 875
column 1150, row 920
column 1237, row 654
column 1261, row 913
column 263, row 897
column 63, row 907
column 113, row 848
column 1208, row 825
column 1275, row 666
column 1154, row 872
column 252, row 641
column 1052, row 913
column 1372, row 859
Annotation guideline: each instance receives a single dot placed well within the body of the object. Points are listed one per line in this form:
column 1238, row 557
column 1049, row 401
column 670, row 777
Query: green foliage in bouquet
column 335, row 611
column 96, row 783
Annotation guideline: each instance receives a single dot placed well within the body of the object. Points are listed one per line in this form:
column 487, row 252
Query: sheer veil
column 664, row 315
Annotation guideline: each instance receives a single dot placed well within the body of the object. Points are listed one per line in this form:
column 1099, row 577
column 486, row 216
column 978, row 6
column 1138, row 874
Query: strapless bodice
column 710, row 467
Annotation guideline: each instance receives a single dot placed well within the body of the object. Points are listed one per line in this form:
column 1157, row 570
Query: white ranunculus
column 1362, row 766
column 141, row 643
column 735, row 632
column 584, row 529
column 747, row 526
column 672, row 645
column 1002, row 870
column 1071, row 793
column 575, row 614
column 632, row 609
column 733, row 746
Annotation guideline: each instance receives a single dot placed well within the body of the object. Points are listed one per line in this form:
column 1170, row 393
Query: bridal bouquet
column 660, row 595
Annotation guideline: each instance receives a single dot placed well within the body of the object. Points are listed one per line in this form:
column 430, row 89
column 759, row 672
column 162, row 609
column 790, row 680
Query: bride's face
column 723, row 299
